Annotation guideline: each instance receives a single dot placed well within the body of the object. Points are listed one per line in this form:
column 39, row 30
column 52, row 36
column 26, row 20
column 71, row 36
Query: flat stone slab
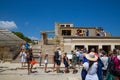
column 73, row 78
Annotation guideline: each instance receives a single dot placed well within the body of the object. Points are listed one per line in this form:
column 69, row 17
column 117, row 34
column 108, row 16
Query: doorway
column 79, row 47
column 117, row 47
column 106, row 48
column 91, row 47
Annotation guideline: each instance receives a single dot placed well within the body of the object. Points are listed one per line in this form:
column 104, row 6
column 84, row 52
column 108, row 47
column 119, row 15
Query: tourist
column 74, row 61
column 78, row 54
column 104, row 60
column 80, row 57
column 46, row 62
column 84, row 72
column 58, row 59
column 23, row 45
column 101, row 52
column 118, row 64
column 23, row 57
column 116, row 59
column 65, row 61
column 27, row 46
column 91, row 66
column 100, row 64
column 54, row 62
column 109, row 76
column 87, row 32
column 99, row 68
column 40, row 58
column 70, row 60
column 102, row 32
column 29, row 60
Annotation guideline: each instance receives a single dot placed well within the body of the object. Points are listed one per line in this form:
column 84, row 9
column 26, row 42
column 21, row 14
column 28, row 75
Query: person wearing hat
column 99, row 63
column 91, row 66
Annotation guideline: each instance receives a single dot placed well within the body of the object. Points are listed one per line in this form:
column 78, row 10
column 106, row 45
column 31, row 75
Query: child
column 23, row 57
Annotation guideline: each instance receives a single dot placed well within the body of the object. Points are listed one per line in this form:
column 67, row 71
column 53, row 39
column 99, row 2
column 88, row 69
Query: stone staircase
column 49, row 49
column 37, row 48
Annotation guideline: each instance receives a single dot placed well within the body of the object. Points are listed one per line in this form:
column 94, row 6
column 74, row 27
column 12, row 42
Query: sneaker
column 75, row 71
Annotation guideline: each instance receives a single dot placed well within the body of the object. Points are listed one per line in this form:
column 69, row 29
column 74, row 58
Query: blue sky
column 32, row 16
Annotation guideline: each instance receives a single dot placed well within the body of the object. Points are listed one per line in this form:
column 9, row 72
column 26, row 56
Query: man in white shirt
column 104, row 59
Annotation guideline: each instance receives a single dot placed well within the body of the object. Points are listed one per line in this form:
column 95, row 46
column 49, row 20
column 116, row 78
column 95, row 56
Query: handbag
column 33, row 62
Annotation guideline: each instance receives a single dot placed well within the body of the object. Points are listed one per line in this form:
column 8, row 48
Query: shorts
column 66, row 64
column 58, row 62
column 81, row 60
column 45, row 61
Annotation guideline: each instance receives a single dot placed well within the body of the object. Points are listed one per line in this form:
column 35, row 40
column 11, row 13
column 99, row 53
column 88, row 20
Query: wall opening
column 106, row 48
column 66, row 32
column 93, row 46
column 117, row 47
column 79, row 47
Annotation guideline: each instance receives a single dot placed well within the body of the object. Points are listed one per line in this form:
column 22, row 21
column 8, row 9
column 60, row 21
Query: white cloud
column 33, row 38
column 8, row 24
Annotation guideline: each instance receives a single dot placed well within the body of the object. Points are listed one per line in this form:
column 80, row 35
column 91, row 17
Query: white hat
column 91, row 56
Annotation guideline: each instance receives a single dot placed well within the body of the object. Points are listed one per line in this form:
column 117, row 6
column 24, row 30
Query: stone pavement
column 14, row 71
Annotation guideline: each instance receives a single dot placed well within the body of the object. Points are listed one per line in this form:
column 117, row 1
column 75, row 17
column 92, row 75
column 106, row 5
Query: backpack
column 64, row 60
column 112, row 68
column 80, row 56
column 56, row 55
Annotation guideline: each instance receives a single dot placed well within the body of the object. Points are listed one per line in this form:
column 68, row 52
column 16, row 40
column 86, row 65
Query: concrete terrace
column 14, row 71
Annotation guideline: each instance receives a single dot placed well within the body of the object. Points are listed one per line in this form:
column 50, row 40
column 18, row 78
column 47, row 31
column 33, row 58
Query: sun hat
column 91, row 56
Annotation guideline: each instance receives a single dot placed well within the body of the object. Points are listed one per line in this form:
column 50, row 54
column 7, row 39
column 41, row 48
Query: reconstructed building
column 72, row 37
column 9, row 44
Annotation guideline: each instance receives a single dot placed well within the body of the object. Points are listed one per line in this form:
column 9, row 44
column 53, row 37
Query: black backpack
column 111, row 66
column 56, row 55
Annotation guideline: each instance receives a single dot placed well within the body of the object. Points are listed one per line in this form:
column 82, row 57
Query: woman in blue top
column 84, row 72
column 65, row 60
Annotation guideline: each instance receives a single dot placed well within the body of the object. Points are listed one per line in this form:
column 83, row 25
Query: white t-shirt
column 23, row 56
column 59, row 51
column 105, row 62
column 77, row 53
column 91, row 72
column 46, row 60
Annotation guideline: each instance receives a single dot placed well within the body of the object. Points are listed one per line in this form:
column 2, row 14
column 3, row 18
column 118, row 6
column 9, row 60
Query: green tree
column 20, row 35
